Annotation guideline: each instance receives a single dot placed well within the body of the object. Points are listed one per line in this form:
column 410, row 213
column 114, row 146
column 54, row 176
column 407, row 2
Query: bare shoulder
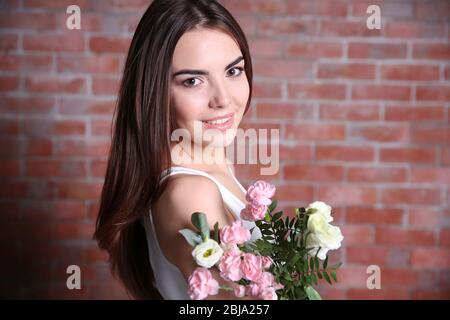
column 185, row 194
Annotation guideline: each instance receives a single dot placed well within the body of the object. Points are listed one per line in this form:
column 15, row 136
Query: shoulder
column 185, row 194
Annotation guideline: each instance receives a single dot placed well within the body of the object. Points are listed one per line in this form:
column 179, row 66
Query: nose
column 220, row 97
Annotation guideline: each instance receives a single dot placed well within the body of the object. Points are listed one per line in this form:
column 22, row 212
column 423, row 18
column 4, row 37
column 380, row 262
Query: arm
column 183, row 196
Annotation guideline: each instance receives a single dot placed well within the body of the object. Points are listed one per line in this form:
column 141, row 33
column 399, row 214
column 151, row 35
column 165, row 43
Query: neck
column 203, row 158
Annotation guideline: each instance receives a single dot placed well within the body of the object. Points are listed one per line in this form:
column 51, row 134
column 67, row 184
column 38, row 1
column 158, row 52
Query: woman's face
column 208, row 81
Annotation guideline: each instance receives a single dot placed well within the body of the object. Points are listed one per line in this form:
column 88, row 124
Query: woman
column 188, row 65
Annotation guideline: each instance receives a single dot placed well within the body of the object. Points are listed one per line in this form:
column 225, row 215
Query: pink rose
column 268, row 293
column 260, row 193
column 234, row 234
column 239, row 290
column 253, row 290
column 253, row 212
column 266, row 262
column 230, row 264
column 251, row 266
column 201, row 284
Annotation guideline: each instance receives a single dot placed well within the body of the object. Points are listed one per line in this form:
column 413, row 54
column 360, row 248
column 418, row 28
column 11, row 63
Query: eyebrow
column 203, row 72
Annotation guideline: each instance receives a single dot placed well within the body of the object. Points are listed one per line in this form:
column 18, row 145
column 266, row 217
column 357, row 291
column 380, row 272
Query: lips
column 221, row 123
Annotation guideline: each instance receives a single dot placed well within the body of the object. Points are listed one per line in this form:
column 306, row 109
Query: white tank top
column 168, row 278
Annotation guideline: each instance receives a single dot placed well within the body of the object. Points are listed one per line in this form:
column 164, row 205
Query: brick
column 275, row 26
column 376, row 175
column 52, row 84
column 433, row 175
column 353, row 112
column 344, row 153
column 394, row 9
column 98, row 168
column 411, row 196
column 9, row 167
column 266, row 89
column 26, row 105
column 431, row 135
column 424, row 217
column 435, row 51
column 315, row 132
column 414, row 29
column 366, row 294
column 105, row 85
column 73, row 42
column 408, row 155
column 283, row 69
column 425, row 258
column 313, row 49
column 296, row 152
column 102, row 44
column 432, row 93
column 409, row 72
column 316, row 91
column 346, row 71
column 317, row 8
column 414, row 114
column 265, row 48
column 263, row 7
column 85, row 106
column 9, row 42
column 89, row 64
column 349, row 195
column 294, row 193
column 381, row 92
column 9, row 83
column 55, row 168
column 362, row 50
column 401, row 237
column 358, row 235
column 379, row 133
column 347, row 29
column 284, row 110
column 78, row 190
column 313, row 172
column 374, row 216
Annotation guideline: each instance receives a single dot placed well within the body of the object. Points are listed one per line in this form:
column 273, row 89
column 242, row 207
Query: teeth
column 217, row 121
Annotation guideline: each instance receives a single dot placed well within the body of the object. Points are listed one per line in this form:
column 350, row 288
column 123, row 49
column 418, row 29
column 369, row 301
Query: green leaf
column 311, row 263
column 319, row 275
column 314, row 278
column 277, row 215
column 325, row 263
column 199, row 220
column 333, row 275
column 191, row 237
column 312, row 294
column 327, row 277
column 316, row 263
column 336, row 266
column 308, row 279
column 273, row 205
column 216, row 232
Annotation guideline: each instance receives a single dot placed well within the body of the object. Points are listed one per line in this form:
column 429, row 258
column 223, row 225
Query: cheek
column 241, row 91
column 188, row 105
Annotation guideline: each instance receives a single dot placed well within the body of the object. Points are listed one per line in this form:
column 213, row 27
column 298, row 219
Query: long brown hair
column 143, row 122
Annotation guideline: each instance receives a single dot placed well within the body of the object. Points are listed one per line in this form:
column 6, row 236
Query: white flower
column 321, row 208
column 323, row 235
column 207, row 253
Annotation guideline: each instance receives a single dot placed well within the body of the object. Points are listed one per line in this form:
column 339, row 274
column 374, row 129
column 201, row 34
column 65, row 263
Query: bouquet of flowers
column 289, row 258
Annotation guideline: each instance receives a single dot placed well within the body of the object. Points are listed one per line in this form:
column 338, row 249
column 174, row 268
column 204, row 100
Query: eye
column 235, row 72
column 191, row 82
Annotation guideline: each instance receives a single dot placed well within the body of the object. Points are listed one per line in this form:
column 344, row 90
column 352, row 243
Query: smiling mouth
column 221, row 124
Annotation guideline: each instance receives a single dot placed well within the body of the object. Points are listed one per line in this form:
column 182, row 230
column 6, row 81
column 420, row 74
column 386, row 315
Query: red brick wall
column 364, row 119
